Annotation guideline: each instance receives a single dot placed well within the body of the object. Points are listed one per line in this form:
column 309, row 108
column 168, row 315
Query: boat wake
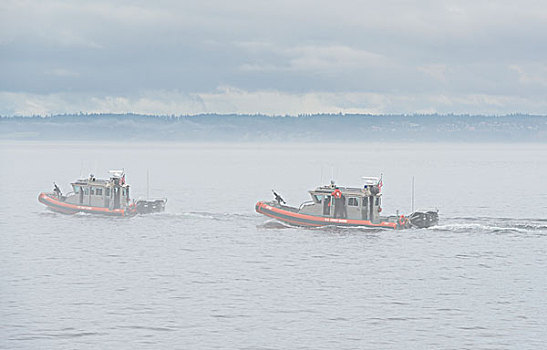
column 354, row 229
column 492, row 225
column 489, row 225
column 208, row 216
column 456, row 225
column 273, row 225
column 197, row 215
column 476, row 228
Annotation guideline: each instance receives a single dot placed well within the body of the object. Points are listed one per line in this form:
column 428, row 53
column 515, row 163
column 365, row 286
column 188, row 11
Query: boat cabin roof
column 346, row 191
column 96, row 182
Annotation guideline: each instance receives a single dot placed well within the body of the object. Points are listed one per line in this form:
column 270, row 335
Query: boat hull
column 295, row 218
column 56, row 205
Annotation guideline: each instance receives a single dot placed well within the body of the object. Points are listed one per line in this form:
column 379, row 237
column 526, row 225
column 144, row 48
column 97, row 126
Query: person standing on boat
column 57, row 190
column 337, row 195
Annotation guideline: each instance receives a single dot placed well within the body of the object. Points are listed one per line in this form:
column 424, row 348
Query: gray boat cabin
column 112, row 193
column 355, row 203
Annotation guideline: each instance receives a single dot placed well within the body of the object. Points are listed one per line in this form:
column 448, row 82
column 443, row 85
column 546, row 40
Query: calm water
column 210, row 273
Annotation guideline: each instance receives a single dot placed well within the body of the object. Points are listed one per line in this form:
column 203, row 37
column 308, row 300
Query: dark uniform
column 57, row 190
column 338, row 203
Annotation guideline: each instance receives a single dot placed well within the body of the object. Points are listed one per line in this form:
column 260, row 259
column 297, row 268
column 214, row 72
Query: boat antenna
column 321, row 183
column 412, row 196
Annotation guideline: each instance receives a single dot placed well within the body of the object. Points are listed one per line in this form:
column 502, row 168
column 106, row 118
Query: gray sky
column 273, row 57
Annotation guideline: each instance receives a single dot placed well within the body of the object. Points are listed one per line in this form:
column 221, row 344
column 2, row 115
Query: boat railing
column 305, row 204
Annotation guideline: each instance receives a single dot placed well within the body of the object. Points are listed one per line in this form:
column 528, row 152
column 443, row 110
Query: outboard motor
column 425, row 219
column 150, row 206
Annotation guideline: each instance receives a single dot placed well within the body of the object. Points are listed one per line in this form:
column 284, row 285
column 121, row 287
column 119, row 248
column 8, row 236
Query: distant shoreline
column 259, row 115
column 261, row 128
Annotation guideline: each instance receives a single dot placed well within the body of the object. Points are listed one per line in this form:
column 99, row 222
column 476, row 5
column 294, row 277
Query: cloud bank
column 283, row 57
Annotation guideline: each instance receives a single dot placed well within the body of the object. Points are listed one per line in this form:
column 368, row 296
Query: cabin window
column 99, row 191
column 317, row 198
column 76, row 189
column 124, row 192
column 377, row 200
column 86, row 190
column 353, row 202
column 92, row 190
column 107, row 192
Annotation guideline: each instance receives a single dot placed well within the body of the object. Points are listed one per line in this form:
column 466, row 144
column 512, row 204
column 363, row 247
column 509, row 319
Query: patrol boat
column 333, row 205
column 98, row 196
